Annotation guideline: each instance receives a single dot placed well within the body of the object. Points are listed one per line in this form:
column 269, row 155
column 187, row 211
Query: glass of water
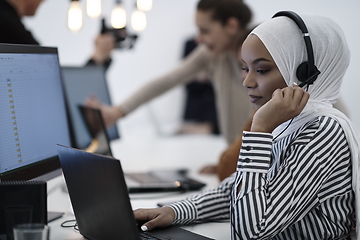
column 31, row 231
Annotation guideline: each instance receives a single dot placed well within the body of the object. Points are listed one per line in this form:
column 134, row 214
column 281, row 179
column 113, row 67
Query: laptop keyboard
column 147, row 236
column 147, row 179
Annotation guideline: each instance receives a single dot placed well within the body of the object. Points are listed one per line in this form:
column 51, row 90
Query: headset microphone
column 310, row 80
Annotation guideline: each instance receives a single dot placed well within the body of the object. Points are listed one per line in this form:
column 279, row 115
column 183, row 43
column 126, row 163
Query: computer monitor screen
column 33, row 115
column 79, row 83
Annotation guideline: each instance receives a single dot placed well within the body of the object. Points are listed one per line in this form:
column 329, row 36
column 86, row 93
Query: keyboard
column 147, row 236
column 148, row 180
column 171, row 233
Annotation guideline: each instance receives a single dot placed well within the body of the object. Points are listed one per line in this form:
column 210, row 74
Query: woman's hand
column 285, row 104
column 208, row 169
column 110, row 114
column 156, row 217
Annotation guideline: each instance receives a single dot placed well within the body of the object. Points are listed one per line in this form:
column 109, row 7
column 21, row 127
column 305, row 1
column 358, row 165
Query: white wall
column 159, row 49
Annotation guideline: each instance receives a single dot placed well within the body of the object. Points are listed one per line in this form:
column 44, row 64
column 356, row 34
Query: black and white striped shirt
column 296, row 188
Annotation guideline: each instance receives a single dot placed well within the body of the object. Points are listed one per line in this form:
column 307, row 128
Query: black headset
column 306, row 72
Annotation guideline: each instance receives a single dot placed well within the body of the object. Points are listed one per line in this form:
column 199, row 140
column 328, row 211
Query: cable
column 66, row 224
column 307, row 89
column 283, row 129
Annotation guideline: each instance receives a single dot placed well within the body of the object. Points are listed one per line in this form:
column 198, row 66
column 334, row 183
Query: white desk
column 191, row 152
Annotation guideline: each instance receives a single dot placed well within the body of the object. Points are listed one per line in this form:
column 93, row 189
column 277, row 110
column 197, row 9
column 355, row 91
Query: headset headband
column 311, row 69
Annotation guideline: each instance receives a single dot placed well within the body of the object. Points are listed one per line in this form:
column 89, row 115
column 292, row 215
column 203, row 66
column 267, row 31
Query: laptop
column 79, row 83
column 99, row 139
column 100, row 199
column 137, row 182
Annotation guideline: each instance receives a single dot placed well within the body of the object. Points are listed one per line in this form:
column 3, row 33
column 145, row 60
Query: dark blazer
column 12, row 30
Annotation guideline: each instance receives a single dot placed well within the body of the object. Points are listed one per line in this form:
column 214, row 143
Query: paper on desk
column 143, row 203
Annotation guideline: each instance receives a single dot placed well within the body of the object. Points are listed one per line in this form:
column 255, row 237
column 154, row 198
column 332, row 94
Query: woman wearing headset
column 297, row 174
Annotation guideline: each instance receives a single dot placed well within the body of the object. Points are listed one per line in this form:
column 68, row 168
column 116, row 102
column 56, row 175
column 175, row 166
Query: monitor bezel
column 23, row 48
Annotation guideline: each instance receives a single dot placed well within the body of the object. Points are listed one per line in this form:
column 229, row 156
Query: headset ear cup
column 302, row 72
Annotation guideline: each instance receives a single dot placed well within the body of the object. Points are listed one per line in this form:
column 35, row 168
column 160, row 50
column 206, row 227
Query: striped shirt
column 296, row 188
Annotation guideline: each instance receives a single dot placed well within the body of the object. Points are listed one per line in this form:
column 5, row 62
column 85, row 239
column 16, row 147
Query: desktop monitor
column 33, row 116
column 79, row 83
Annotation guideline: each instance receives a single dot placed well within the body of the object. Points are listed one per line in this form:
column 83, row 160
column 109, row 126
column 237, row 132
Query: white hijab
column 284, row 41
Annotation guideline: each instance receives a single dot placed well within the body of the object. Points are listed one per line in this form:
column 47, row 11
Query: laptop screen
column 96, row 129
column 32, row 108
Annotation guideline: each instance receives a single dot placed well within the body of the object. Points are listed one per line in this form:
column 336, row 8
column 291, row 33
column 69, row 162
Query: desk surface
column 191, row 152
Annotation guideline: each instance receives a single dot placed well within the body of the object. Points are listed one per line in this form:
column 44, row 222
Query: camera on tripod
column 123, row 39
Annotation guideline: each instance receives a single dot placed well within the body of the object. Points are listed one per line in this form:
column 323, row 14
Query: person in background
column 13, row 31
column 298, row 171
column 199, row 116
column 222, row 25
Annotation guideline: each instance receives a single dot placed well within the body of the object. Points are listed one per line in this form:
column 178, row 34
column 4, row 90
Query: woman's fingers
column 285, row 104
column 295, row 97
column 157, row 217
